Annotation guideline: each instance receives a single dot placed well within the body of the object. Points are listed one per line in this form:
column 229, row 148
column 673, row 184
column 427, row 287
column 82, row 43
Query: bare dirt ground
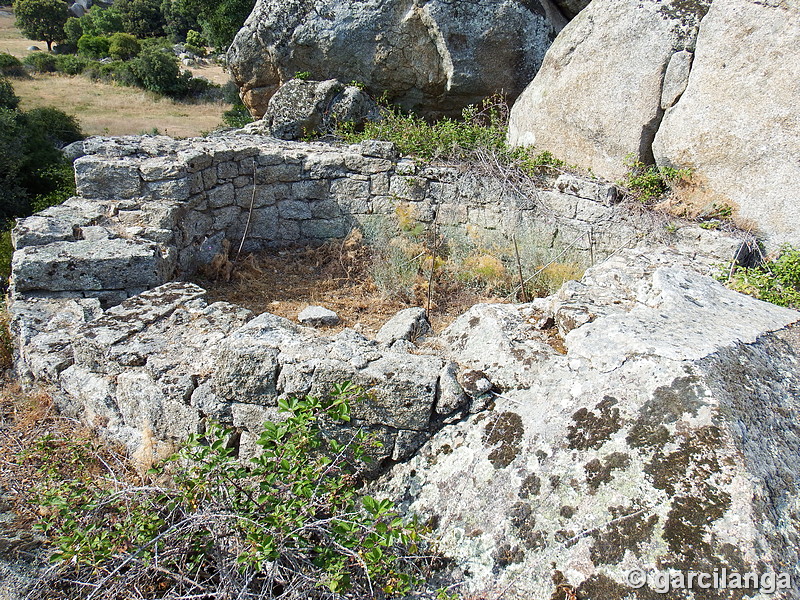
column 335, row 276
column 104, row 109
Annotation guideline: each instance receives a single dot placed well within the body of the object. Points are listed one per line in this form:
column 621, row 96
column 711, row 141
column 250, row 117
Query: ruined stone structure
column 657, row 436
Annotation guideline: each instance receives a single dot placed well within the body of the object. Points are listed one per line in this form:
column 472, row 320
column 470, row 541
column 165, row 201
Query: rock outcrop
column 725, row 73
column 597, row 98
column 434, row 57
column 737, row 125
column 300, row 109
column 663, row 439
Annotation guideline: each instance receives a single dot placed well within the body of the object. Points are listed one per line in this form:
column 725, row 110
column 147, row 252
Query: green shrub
column 73, row 30
column 55, row 126
column 104, row 21
column 238, row 116
column 649, row 183
column 71, row 64
column 158, row 71
column 141, row 18
column 123, row 46
column 41, row 62
column 777, row 281
column 8, row 99
column 290, row 520
column 11, row 66
column 93, row 46
column 195, row 38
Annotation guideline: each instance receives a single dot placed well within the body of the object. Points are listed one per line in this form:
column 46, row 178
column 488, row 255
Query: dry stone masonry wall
column 658, row 435
column 152, row 209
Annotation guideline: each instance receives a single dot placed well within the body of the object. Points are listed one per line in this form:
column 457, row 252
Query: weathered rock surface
column 597, row 97
column 662, row 439
column 570, row 8
column 737, row 125
column 434, row 57
column 301, row 109
column 318, row 315
column 408, row 324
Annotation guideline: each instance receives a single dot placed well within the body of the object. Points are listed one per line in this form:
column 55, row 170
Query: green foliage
column 195, row 39
column 123, row 46
column 8, row 99
column 480, row 132
column 158, row 71
column 41, row 62
column 141, row 18
column 93, row 46
column 42, row 19
column 60, row 179
column 302, row 75
column 178, row 20
column 221, row 20
column 289, row 521
column 238, row 116
column 11, row 66
column 13, row 199
column 777, row 281
column 73, row 30
column 70, row 64
column 105, row 21
column 649, row 183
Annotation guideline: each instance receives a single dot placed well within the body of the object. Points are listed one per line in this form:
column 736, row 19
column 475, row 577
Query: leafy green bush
column 649, row 183
column 41, row 62
column 71, row 64
column 141, row 18
column 93, row 46
column 8, row 99
column 104, row 21
column 11, row 66
column 777, row 281
column 123, row 46
column 73, row 30
column 238, row 116
column 289, row 521
column 158, row 71
column 480, row 132
column 195, row 38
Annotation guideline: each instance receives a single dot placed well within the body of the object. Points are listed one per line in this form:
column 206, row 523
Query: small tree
column 42, row 19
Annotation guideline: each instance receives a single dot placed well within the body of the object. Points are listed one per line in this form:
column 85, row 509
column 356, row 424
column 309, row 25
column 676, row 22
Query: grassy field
column 104, row 109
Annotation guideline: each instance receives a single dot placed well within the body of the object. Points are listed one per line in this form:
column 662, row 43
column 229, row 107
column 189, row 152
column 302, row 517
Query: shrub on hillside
column 776, row 281
column 70, row 64
column 141, row 18
column 289, row 523
column 73, row 30
column 41, row 62
column 8, row 99
column 11, row 66
column 93, row 46
column 123, row 46
column 158, row 71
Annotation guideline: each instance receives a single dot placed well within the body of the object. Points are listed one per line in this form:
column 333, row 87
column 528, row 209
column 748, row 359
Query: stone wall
column 161, row 207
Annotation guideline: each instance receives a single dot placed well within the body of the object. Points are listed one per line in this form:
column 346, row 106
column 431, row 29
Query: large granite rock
column 665, row 438
column 434, row 56
column 737, row 126
column 597, row 97
column 301, row 109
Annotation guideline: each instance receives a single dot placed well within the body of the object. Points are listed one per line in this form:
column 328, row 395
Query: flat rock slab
column 318, row 315
column 114, row 264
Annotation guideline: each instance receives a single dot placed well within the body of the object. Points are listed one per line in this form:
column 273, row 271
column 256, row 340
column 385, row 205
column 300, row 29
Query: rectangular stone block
column 83, row 265
column 107, row 178
column 408, row 187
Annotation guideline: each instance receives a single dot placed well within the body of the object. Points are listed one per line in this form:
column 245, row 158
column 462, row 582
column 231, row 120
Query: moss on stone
column 593, row 429
column 505, row 431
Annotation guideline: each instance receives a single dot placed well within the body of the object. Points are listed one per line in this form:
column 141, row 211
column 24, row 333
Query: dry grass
column 104, row 109
column 11, row 40
column 335, row 276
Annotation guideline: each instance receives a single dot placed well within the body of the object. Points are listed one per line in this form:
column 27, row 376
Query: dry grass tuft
column 336, row 275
